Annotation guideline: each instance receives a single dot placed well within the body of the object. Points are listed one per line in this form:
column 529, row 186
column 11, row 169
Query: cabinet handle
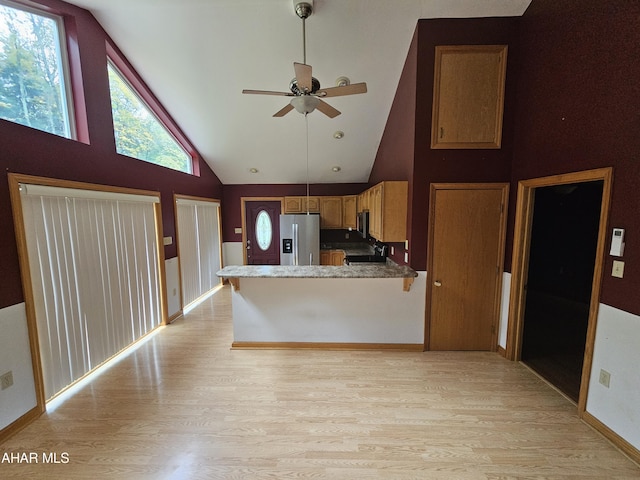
column 441, row 132
column 437, row 283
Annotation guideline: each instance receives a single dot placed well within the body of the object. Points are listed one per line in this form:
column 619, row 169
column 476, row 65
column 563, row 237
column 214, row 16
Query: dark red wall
column 579, row 108
column 28, row 151
column 402, row 158
column 231, row 203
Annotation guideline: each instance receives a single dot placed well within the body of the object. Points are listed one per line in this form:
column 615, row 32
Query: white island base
column 350, row 313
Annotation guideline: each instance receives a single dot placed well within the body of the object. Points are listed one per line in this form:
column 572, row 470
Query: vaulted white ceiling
column 198, row 55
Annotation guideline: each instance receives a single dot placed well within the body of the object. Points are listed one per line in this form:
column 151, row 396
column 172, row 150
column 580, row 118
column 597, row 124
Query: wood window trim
column 14, row 180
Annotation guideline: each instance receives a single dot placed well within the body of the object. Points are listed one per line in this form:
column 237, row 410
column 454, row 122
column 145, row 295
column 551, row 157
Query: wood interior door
column 467, row 230
column 262, row 218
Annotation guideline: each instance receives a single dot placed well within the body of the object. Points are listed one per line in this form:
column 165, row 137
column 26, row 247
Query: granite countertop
column 360, row 270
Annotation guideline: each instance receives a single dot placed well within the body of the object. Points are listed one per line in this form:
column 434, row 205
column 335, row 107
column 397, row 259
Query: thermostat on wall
column 617, row 242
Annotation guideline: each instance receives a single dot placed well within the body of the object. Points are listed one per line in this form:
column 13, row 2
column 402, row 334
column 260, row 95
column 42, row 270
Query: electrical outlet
column 6, row 380
column 605, row 378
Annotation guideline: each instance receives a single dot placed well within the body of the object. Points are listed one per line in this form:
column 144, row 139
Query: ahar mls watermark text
column 35, row 457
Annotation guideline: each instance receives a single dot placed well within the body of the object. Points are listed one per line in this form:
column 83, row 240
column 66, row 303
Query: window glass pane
column 32, row 77
column 264, row 230
column 139, row 133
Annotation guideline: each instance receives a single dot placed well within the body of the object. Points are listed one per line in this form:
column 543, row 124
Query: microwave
column 362, row 224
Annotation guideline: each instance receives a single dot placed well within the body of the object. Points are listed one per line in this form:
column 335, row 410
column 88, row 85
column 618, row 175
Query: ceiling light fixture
column 338, row 134
column 336, row 169
column 342, row 81
column 253, row 170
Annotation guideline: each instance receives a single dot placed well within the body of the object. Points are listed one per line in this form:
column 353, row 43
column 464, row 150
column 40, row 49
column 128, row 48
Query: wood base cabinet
column 332, row 257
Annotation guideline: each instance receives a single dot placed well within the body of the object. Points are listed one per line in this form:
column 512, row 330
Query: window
column 33, row 70
column 199, row 247
column 139, row 133
column 95, row 275
column 264, row 230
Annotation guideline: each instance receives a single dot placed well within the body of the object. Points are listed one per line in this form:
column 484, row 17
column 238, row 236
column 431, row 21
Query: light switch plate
column 167, row 240
column 237, row 230
column 618, row 269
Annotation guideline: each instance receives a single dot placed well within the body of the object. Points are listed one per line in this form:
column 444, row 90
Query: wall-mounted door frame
column 520, row 264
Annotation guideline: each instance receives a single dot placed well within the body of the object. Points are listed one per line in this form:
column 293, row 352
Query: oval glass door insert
column 264, row 230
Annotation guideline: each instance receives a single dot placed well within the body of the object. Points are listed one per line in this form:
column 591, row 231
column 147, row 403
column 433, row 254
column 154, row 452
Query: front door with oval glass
column 263, row 232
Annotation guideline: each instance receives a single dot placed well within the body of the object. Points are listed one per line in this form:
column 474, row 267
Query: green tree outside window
column 139, row 133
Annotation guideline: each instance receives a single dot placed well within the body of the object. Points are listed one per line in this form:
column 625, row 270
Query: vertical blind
column 199, row 243
column 95, row 276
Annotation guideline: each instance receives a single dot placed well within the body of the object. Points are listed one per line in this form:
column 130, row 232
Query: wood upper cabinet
column 363, row 201
column 349, row 206
column 335, row 211
column 375, row 212
column 388, row 211
column 330, row 212
column 299, row 204
column 468, row 96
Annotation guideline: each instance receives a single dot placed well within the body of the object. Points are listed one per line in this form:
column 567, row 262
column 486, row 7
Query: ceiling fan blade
column 327, row 109
column 282, row 112
column 340, row 91
column 267, row 92
column 303, row 76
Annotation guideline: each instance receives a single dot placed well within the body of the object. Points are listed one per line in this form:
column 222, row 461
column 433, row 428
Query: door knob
column 437, row 283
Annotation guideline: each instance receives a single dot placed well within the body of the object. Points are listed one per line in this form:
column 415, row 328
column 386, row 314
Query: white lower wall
column 504, row 310
column 232, row 253
column 329, row 310
column 173, row 285
column 15, row 357
column 617, row 350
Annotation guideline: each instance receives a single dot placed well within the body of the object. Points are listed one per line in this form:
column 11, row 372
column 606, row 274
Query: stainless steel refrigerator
column 300, row 239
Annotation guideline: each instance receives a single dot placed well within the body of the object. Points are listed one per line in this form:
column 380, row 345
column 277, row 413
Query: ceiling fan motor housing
column 293, row 86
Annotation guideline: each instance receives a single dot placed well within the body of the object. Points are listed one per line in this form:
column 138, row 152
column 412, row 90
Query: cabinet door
column 375, row 212
column 468, row 96
column 330, row 212
column 292, row 204
column 312, row 204
column 349, row 211
column 325, row 257
column 337, row 257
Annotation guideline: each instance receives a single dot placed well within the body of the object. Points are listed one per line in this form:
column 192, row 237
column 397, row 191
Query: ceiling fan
column 304, row 87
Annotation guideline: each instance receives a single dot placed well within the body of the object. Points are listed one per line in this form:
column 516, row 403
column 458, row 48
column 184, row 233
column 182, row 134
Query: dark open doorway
column 562, row 258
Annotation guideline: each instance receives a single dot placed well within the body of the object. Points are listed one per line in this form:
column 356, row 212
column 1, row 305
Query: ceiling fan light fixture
column 305, row 103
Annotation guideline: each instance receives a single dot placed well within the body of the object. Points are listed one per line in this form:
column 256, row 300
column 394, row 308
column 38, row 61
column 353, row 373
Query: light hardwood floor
column 186, row 406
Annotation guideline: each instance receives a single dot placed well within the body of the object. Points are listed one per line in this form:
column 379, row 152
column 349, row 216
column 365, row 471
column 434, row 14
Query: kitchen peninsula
column 367, row 306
